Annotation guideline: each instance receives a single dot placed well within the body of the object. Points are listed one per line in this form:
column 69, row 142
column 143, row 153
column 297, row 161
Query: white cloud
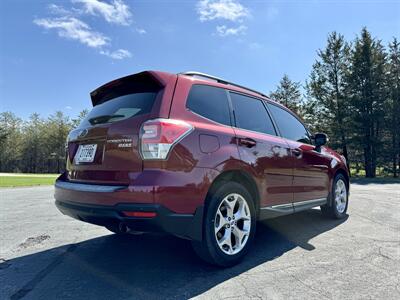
column 223, row 30
column 114, row 12
column 74, row 29
column 68, row 107
column 117, row 54
column 67, row 23
column 58, row 10
column 230, row 10
column 141, row 31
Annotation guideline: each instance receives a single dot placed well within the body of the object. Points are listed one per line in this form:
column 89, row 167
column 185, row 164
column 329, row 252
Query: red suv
column 197, row 157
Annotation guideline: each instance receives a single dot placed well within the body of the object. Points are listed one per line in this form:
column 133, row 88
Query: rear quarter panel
column 211, row 145
column 337, row 164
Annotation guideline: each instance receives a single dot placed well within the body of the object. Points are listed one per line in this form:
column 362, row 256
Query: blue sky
column 53, row 53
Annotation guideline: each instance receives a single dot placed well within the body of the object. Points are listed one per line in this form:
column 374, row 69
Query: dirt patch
column 32, row 241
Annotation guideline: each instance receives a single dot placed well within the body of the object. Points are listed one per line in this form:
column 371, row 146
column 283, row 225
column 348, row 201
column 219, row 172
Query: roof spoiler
column 145, row 81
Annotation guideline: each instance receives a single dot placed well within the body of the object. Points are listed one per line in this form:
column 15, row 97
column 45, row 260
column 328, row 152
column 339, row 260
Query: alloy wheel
column 232, row 224
column 340, row 196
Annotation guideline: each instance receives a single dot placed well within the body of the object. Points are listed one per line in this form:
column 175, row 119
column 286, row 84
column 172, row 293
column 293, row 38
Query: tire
column 233, row 225
column 339, row 199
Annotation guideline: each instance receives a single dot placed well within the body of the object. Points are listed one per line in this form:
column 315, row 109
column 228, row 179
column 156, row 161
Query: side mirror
column 320, row 139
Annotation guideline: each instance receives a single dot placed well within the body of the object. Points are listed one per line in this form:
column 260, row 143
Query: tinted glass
column 289, row 126
column 251, row 114
column 209, row 102
column 120, row 108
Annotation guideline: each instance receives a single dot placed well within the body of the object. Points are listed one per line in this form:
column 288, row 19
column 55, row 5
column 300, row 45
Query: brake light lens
column 140, row 214
column 157, row 137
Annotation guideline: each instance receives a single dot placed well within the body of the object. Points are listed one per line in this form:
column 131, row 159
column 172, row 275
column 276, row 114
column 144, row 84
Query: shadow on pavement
column 383, row 180
column 146, row 266
column 300, row 228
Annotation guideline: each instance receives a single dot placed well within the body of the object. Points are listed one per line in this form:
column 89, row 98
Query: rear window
column 123, row 98
column 120, row 108
column 210, row 102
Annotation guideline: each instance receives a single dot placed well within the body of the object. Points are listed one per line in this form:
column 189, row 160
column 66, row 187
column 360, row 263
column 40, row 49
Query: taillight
column 157, row 137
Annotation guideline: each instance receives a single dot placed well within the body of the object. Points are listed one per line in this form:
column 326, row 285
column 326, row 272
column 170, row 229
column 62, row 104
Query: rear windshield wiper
column 104, row 119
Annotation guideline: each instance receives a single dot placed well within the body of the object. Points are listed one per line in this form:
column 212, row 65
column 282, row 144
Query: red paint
column 181, row 182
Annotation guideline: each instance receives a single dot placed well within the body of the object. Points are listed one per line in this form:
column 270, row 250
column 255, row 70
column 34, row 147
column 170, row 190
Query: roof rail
column 220, row 80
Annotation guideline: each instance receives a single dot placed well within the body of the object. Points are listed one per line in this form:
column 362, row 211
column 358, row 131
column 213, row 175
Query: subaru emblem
column 83, row 133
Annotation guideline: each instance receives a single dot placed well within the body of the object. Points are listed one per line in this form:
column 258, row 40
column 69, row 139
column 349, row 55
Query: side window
column 289, row 126
column 251, row 114
column 210, row 102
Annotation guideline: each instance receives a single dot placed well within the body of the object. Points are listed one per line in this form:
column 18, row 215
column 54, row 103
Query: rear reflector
column 157, row 137
column 140, row 214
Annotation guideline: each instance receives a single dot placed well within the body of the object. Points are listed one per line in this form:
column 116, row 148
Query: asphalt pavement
column 45, row 255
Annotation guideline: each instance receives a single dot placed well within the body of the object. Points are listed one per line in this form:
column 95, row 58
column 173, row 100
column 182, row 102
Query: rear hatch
column 104, row 149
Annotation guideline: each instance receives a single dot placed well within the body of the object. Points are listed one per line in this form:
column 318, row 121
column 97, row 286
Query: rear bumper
column 70, row 199
column 182, row 225
column 180, row 191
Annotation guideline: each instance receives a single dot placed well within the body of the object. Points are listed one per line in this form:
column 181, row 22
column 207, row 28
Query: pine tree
column 10, row 141
column 58, row 126
column 32, row 154
column 76, row 121
column 327, row 104
column 393, row 104
column 288, row 93
column 367, row 87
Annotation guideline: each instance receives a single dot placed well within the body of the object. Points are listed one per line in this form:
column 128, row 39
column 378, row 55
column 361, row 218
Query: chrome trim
column 276, row 211
column 309, row 201
column 280, row 206
column 82, row 187
column 294, row 204
column 83, row 133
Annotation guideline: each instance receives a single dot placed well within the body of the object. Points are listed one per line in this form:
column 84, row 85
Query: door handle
column 248, row 142
column 296, row 152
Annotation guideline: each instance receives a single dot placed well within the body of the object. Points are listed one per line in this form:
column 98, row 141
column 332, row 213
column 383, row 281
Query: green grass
column 14, row 179
column 380, row 172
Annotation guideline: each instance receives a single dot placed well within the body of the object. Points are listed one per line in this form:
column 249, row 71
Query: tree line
column 36, row 145
column 352, row 94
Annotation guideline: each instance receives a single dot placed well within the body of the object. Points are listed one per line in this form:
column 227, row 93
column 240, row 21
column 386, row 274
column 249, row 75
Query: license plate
column 85, row 153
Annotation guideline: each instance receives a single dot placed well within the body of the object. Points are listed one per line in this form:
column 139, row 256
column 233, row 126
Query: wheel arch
column 241, row 177
column 346, row 176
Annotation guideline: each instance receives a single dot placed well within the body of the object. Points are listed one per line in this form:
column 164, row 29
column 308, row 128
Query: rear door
column 310, row 168
column 105, row 146
column 260, row 147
